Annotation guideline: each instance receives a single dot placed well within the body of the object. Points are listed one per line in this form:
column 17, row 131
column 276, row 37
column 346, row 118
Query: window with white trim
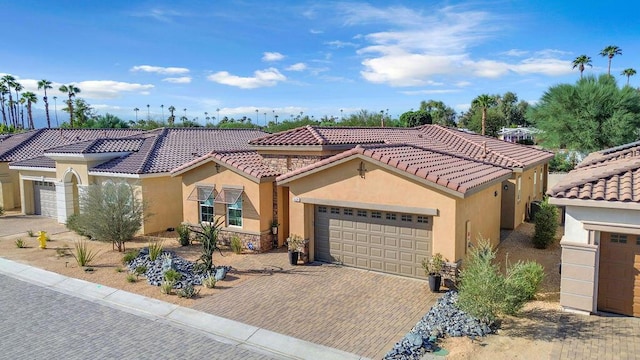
column 619, row 238
column 206, row 211
column 234, row 213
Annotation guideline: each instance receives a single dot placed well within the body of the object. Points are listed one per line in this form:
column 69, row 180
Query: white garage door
column 44, row 197
column 383, row 241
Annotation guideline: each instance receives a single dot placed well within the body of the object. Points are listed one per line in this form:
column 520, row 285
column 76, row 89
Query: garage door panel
column 45, row 198
column 387, row 242
column 618, row 275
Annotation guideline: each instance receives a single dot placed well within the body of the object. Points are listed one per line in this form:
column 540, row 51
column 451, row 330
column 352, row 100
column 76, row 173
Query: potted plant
column 274, row 226
column 433, row 269
column 293, row 244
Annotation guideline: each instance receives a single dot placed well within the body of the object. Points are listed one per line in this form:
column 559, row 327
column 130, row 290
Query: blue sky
column 315, row 57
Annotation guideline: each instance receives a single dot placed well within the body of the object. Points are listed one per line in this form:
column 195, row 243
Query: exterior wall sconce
column 361, row 169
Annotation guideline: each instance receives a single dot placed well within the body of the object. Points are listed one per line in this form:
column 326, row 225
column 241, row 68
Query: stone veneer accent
column 261, row 243
column 286, row 163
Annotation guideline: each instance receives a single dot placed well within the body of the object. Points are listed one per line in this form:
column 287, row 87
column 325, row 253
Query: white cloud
column 340, row 44
column 105, row 107
column 297, row 67
column 462, row 83
column 314, row 31
column 160, row 70
column 178, row 80
column 261, row 78
column 272, row 56
column 403, row 69
column 544, row 66
column 109, row 89
column 431, row 91
column 515, row 52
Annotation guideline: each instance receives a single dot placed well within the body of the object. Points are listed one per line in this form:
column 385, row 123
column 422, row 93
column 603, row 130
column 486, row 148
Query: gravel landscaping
column 444, row 319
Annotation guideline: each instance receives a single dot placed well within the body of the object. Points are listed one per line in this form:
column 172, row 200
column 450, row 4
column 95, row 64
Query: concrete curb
column 229, row 331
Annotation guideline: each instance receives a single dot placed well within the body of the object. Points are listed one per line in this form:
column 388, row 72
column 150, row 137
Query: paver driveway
column 358, row 311
column 19, row 224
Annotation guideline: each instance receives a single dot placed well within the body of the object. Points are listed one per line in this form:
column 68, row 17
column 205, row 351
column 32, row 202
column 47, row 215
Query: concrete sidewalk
column 228, row 330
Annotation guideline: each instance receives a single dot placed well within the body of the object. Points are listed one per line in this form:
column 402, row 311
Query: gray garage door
column 383, row 241
column 44, row 197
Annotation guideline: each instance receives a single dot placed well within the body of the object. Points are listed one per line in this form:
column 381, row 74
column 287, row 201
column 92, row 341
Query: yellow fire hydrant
column 42, row 238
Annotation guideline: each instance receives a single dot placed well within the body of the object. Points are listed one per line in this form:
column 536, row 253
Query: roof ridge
column 483, row 146
column 34, row 133
column 316, row 134
column 153, row 149
column 585, row 175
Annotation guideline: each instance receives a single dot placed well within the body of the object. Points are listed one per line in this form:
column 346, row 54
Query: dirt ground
column 528, row 336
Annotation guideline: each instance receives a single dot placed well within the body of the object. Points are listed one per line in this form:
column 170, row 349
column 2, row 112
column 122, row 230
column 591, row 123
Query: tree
column 610, row 51
column 70, row 90
column 3, row 92
column 108, row 121
column 172, row 117
column 593, row 114
column 415, row 118
column 546, row 221
column 45, row 84
column 82, row 112
column 628, row 73
column 580, row 63
column 30, row 98
column 111, row 212
column 9, row 82
column 439, row 112
column 484, row 102
column 136, row 111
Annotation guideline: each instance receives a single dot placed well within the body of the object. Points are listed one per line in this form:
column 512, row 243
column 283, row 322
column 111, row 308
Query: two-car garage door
column 619, row 274
column 383, row 241
column 44, row 198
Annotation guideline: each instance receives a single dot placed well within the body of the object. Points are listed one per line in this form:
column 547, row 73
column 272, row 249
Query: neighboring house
column 518, row 134
column 374, row 198
column 385, row 198
column 601, row 242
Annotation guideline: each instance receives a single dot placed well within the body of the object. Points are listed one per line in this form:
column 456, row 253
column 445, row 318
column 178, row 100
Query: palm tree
column 610, row 51
column 30, row 98
column 8, row 81
column 136, row 110
column 162, row 110
column 580, row 62
column 45, row 84
column 484, row 102
column 3, row 91
column 148, row 115
column 628, row 73
column 18, row 87
column 71, row 91
column 172, row 118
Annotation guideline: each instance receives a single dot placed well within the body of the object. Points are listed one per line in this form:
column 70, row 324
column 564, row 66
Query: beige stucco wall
column 380, row 186
column 9, row 187
column 482, row 211
column 163, row 198
column 257, row 199
column 530, row 190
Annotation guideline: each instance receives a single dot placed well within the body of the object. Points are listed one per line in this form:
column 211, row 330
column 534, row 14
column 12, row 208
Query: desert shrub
column 1, row 211
column 73, row 224
column 62, row 251
column 172, row 275
column 521, row 284
column 208, row 236
column 481, row 289
column 20, row 243
column 83, row 254
column 140, row 270
column 129, row 256
column 167, row 287
column 131, row 278
column 184, row 234
column 236, row 244
column 31, row 233
column 155, row 249
column 119, row 269
column 188, row 291
column 111, row 212
column 210, row 281
column 546, row 224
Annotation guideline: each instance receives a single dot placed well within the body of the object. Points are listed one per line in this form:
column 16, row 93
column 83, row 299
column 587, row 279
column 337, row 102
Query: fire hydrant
column 42, row 238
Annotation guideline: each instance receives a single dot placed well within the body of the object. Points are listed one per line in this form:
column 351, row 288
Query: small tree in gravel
column 208, row 236
column 546, row 225
column 111, row 212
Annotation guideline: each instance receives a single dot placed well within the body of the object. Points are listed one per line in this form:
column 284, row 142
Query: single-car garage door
column 44, row 198
column 383, row 241
column 619, row 274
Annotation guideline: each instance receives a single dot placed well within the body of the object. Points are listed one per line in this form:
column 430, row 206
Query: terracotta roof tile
column 625, row 151
column 100, row 146
column 454, row 172
column 246, row 161
column 36, row 162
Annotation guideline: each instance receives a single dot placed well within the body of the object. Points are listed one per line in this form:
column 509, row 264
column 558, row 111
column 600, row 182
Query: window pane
column 234, row 213
column 348, row 212
column 376, row 214
column 362, row 213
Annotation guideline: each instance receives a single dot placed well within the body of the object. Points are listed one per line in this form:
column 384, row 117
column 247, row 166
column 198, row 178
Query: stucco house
column 601, row 242
column 374, row 198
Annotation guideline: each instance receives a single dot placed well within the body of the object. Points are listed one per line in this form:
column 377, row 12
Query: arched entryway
column 69, row 195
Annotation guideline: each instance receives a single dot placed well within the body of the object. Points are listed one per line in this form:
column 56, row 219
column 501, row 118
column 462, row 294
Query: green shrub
column 155, row 249
column 236, row 244
column 83, row 254
column 119, row 269
column 129, row 256
column 31, row 233
column 167, row 287
column 522, row 282
column 546, row 225
column 140, row 270
column 74, row 224
column 208, row 236
column 184, row 234
column 172, row 275
column 188, row 292
column 481, row 289
column 209, row 282
column 1, row 211
column 20, row 243
column 132, row 278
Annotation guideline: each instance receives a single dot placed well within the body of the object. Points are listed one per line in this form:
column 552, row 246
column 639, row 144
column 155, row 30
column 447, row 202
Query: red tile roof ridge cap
column 608, row 155
column 482, row 146
column 585, row 175
column 162, row 134
column 321, row 139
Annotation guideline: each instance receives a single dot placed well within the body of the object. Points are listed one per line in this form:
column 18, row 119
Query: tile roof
column 34, row 143
column 457, row 173
column 36, row 162
column 246, row 161
column 607, row 175
column 166, row 149
column 433, row 137
column 100, row 146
